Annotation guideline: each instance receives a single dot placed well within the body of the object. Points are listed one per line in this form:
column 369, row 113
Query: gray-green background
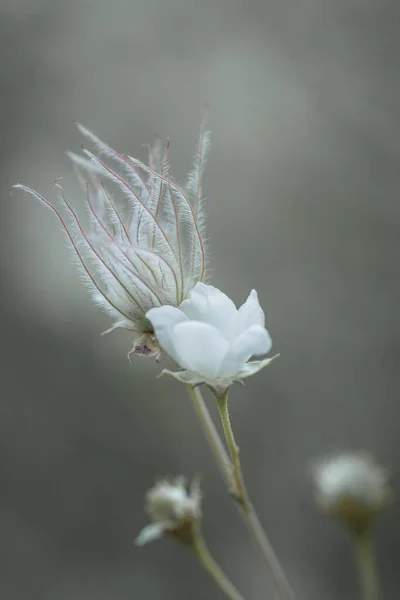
column 303, row 204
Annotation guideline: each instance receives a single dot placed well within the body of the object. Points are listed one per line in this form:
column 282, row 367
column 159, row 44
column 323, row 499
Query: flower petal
column 151, row 532
column 250, row 313
column 208, row 304
column 163, row 319
column 199, row 347
column 254, row 340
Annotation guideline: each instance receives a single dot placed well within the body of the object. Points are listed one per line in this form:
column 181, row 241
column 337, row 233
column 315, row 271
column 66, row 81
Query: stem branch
column 211, row 566
column 232, row 474
column 253, row 524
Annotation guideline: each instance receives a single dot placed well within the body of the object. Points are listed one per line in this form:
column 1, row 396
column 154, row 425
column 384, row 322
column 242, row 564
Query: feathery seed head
column 143, row 252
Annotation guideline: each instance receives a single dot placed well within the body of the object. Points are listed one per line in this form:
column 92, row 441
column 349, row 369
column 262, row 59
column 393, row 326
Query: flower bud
column 353, row 488
column 172, row 511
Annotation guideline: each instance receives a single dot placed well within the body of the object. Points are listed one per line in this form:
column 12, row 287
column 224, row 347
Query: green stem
column 211, row 566
column 211, row 433
column 237, row 482
column 367, row 565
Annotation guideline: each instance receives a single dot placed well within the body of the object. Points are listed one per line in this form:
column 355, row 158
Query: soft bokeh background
column 303, row 204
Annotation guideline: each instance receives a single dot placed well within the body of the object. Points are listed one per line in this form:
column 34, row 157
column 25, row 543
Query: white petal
column 253, row 367
column 254, row 340
column 163, row 319
column 250, row 313
column 208, row 304
column 150, row 533
column 200, row 347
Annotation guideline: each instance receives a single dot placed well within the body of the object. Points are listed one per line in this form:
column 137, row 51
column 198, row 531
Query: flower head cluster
column 210, row 339
column 351, row 487
column 145, row 252
column 172, row 511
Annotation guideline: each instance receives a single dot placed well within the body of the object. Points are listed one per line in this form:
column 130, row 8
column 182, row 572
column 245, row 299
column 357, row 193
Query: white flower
column 172, row 510
column 210, row 339
column 351, row 487
column 146, row 251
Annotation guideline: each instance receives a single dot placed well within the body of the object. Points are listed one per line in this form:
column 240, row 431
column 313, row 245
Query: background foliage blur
column 303, row 204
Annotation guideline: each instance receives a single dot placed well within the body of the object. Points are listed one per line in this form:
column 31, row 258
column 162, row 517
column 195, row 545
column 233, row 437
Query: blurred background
column 302, row 192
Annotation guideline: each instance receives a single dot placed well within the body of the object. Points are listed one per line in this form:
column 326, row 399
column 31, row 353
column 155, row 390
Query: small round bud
column 352, row 487
column 172, row 511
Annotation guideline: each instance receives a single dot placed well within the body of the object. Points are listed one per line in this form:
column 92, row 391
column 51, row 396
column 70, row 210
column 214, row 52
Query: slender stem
column 211, row 566
column 232, row 474
column 237, row 483
column 211, row 433
column 367, row 565
column 252, row 521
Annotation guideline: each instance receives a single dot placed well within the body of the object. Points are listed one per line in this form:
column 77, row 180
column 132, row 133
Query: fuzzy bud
column 173, row 511
column 353, row 488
